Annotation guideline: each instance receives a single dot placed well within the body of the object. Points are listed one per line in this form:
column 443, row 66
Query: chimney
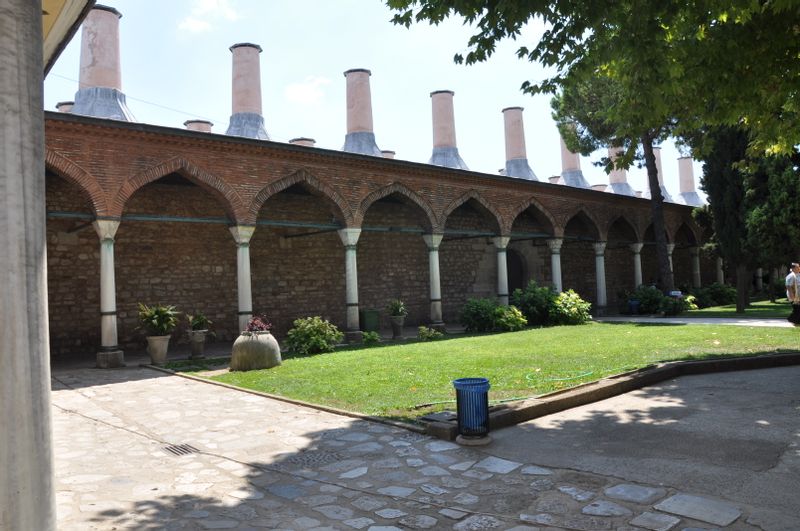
column 100, row 80
column 246, row 118
column 639, row 194
column 667, row 197
column 388, row 153
column 65, row 106
column 571, row 173
column 204, row 126
column 303, row 141
column 445, row 152
column 686, row 180
column 618, row 179
column 360, row 137
column 516, row 154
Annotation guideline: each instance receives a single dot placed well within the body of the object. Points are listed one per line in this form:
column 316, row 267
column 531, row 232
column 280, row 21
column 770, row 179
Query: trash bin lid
column 472, row 384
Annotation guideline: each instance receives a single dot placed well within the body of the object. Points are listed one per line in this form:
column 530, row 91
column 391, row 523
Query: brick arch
column 581, row 209
column 398, row 188
column 65, row 168
column 345, row 213
column 558, row 231
column 693, row 232
column 226, row 195
column 472, row 194
column 636, row 229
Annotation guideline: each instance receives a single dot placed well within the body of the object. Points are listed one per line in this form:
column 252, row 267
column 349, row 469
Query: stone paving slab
column 700, row 508
column 257, row 463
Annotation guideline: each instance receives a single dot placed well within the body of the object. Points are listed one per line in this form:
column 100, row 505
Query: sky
column 176, row 66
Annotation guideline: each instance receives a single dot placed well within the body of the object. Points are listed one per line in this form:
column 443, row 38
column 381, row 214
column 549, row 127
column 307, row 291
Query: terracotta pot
column 197, row 340
column 397, row 325
column 157, row 348
column 255, row 350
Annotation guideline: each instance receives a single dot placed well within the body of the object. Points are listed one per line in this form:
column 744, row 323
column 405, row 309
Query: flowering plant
column 258, row 323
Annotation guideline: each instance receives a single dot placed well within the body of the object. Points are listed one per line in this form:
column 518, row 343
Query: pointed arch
column 397, row 188
column 227, row 196
column 582, row 210
column 476, row 196
column 525, row 205
column 691, row 232
column 304, row 178
column 72, row 172
column 623, row 219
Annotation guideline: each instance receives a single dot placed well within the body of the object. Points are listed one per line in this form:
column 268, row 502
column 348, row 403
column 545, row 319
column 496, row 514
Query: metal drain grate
column 181, row 449
column 313, row 458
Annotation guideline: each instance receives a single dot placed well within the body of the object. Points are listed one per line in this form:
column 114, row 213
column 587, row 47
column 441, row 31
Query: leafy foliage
column 258, row 323
column 198, row 321
column 569, row 309
column 311, row 335
column 676, row 305
column 477, row 315
column 370, row 338
column 534, row 302
column 428, row 334
column 714, row 295
column 649, row 298
column 508, row 319
column 158, row 319
column 397, row 308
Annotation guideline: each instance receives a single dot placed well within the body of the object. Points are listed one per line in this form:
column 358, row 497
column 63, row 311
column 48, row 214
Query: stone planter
column 197, row 341
column 397, row 325
column 157, row 348
column 255, row 350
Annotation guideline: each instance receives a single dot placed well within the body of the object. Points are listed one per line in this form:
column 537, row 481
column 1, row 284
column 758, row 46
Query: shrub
column 673, row 305
column 534, row 302
column 569, row 309
column 477, row 315
column 311, row 335
column 649, row 298
column 397, row 308
column 715, row 294
column 198, row 321
column 428, row 334
column 370, row 338
column 158, row 320
column 508, row 319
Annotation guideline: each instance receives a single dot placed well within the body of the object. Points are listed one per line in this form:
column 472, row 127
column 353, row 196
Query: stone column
column 759, row 278
column 110, row 355
column 350, row 239
column 555, row 262
column 242, row 235
column 501, row 243
column 600, row 273
column 26, row 454
column 695, row 253
column 433, row 241
column 720, row 272
column 636, row 249
column 670, row 249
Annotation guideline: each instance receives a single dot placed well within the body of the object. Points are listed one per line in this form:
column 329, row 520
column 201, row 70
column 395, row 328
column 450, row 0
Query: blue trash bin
column 472, row 406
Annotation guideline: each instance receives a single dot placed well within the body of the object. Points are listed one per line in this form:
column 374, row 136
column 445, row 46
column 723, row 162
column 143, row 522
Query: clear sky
column 176, row 66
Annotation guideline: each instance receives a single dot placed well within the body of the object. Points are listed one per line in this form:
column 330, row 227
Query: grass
column 760, row 309
column 394, row 380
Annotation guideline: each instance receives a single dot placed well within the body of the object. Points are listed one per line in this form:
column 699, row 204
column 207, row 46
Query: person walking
column 793, row 293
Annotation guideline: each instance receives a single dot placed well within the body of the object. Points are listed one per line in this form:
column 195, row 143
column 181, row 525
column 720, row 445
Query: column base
column 353, row 336
column 439, row 327
column 600, row 311
column 110, row 359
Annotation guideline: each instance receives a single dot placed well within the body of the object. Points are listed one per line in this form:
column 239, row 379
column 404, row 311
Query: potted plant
column 255, row 348
column 198, row 330
column 397, row 316
column 158, row 322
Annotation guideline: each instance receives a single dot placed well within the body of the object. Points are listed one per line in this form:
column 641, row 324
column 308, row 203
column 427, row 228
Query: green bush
column 569, row 309
column 534, row 302
column 428, row 334
column 649, row 298
column 158, row 319
column 673, row 305
column 508, row 319
column 477, row 315
column 370, row 338
column 311, row 335
column 715, row 294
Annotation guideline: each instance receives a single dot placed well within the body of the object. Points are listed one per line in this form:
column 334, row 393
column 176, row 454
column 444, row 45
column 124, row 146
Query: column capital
column 636, row 248
column 501, row 242
column 242, row 233
column 433, row 241
column 599, row 248
column 106, row 228
column 555, row 245
column 349, row 237
column 670, row 248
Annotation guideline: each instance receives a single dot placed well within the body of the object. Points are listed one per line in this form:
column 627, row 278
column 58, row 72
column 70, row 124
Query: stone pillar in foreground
column 501, row 244
column 433, row 241
column 242, row 235
column 555, row 262
column 600, row 273
column 670, row 250
column 695, row 254
column 636, row 249
column 27, row 500
column 350, row 240
column 759, row 277
column 720, row 272
column 110, row 355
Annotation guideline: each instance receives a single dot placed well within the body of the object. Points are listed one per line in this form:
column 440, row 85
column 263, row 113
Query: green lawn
column 757, row 310
column 394, row 380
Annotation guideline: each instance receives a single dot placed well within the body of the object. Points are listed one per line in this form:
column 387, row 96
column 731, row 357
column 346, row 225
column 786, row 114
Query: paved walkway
column 139, row 449
column 781, row 323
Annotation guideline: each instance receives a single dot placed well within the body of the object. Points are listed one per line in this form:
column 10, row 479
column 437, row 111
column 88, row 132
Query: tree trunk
column 665, row 278
column 742, row 287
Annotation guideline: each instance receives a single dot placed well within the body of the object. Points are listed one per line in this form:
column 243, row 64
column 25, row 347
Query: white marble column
column 501, row 243
column 636, row 249
column 720, row 272
column 349, row 240
column 110, row 355
column 242, row 235
column 670, row 249
column 27, row 500
column 695, row 254
column 555, row 262
column 600, row 273
column 433, row 241
column 759, row 278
